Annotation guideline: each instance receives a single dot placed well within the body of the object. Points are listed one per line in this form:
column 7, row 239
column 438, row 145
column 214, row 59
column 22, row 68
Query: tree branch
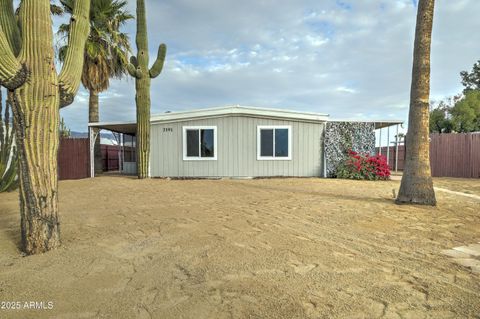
column 71, row 73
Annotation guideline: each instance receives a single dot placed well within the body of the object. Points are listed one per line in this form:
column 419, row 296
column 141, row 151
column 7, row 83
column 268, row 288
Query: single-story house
column 244, row 142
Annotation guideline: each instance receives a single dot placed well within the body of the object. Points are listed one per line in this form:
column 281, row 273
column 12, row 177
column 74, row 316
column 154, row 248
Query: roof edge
column 239, row 110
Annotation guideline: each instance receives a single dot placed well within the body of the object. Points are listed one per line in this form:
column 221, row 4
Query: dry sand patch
column 278, row 248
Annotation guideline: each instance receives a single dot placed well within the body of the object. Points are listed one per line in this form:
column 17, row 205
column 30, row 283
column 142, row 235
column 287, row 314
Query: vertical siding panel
column 236, row 134
column 251, row 140
column 310, row 165
column 161, row 152
column 153, row 148
column 301, row 149
column 295, row 150
column 237, row 149
column 156, row 160
column 233, row 159
column 222, row 144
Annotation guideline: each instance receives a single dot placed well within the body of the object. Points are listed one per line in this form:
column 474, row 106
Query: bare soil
column 278, row 248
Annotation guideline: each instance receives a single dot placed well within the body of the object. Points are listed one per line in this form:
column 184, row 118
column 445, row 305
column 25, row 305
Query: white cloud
column 344, row 89
column 301, row 54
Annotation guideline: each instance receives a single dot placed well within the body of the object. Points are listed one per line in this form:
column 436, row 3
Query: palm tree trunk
column 94, row 117
column 417, row 185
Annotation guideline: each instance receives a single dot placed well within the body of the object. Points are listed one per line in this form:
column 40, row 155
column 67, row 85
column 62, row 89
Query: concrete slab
column 457, row 193
column 467, row 256
column 468, row 262
column 455, row 253
column 473, row 249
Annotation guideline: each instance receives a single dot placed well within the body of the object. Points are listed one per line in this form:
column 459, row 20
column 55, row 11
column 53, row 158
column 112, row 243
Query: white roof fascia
column 239, row 110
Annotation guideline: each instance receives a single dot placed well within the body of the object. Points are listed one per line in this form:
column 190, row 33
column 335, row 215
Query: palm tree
column 106, row 53
column 417, row 184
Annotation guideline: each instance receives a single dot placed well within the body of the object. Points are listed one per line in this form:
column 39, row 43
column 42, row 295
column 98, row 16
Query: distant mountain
column 106, row 138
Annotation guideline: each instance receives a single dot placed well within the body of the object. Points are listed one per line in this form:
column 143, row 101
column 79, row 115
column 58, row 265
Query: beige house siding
column 236, row 149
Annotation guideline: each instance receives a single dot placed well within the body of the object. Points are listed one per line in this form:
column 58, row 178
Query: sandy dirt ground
column 279, row 248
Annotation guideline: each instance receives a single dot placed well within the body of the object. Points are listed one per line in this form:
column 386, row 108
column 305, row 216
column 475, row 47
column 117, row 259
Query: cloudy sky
column 350, row 59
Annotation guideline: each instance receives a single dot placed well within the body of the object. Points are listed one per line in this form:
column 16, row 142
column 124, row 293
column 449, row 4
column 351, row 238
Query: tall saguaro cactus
column 27, row 70
column 138, row 68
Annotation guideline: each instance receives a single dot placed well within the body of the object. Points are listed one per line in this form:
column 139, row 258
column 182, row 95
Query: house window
column 274, row 142
column 199, row 143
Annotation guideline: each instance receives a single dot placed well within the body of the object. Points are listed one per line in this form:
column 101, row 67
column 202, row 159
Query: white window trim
column 273, row 158
column 199, row 158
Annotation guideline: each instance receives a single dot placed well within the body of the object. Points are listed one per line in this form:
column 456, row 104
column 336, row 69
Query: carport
column 125, row 135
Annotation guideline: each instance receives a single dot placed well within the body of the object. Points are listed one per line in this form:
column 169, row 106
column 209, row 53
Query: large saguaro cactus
column 27, row 70
column 138, row 68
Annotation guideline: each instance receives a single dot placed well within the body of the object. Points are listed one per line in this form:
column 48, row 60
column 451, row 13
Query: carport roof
column 117, row 127
column 378, row 123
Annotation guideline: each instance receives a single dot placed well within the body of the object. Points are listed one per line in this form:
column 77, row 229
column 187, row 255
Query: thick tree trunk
column 417, row 185
column 94, row 117
column 36, row 114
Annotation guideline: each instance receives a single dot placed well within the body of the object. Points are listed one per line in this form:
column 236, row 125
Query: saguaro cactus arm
column 12, row 73
column 133, row 68
column 10, row 27
column 158, row 65
column 69, row 79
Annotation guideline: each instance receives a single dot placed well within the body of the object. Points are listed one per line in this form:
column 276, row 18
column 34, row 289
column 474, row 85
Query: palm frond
column 107, row 48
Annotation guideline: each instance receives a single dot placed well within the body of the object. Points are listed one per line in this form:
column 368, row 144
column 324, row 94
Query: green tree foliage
column 440, row 118
column 466, row 113
column 471, row 80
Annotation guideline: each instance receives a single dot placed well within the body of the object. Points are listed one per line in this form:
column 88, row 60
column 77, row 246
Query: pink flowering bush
column 358, row 166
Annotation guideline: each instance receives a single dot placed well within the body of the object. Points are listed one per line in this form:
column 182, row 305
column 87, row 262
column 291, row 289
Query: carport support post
column 122, row 152
column 388, row 145
column 91, row 147
column 396, row 150
column 380, row 142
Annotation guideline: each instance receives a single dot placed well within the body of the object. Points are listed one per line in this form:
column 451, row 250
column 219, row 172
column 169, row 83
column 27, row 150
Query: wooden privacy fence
column 451, row 155
column 73, row 158
column 110, row 156
column 455, row 155
column 392, row 156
